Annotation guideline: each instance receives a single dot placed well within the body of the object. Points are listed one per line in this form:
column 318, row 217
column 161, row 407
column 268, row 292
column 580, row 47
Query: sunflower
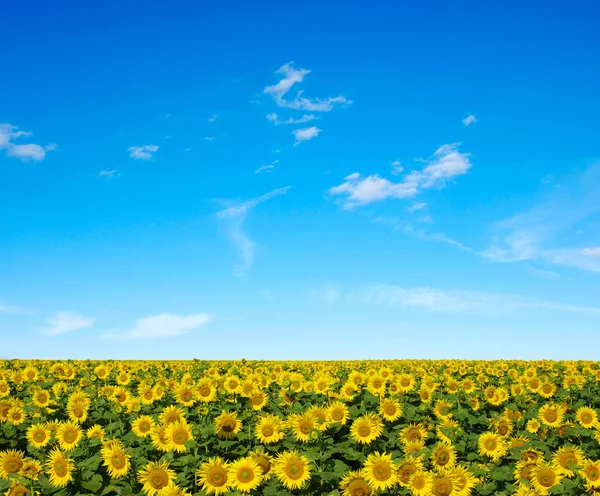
column 212, row 476
column 227, row 425
column 492, row 445
column 116, row 460
column 420, row 483
column 4, row 388
column 533, row 426
column 68, row 435
column 41, row 398
column 205, row 391
column 443, row 456
column 551, row 415
column 302, row 426
column 544, row 476
column 232, row 384
column 11, row 462
column 258, row 400
column 268, row 429
column 442, row 409
column 159, row 438
column 463, row 480
column 38, row 435
column 337, row 413
column 292, row 470
column 185, row 395
column 15, row 415
column 177, row 434
column 95, row 431
column 413, row 432
column 59, row 468
column 170, row 414
column 173, row 490
column 77, row 412
column 380, row 471
column 354, row 484
column 265, row 462
column 17, row 489
column 587, row 417
column 244, row 475
column 143, row 425
column 366, row 428
column 590, row 471
column 408, row 466
column 442, row 484
column 390, row 409
column 568, row 458
column 30, row 469
column 155, row 476
column 406, row 383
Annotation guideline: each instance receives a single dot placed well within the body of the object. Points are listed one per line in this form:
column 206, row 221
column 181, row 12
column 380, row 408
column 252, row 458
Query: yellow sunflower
column 155, row 476
column 59, row 468
column 420, row 483
column 11, row 462
column 544, row 476
column 551, row 415
column 337, row 413
column 143, row 425
column 408, row 466
column 268, row 429
column 292, row 470
column 390, row 409
column 227, row 425
column 587, row 417
column 380, row 471
column 244, row 475
column 354, row 484
column 17, row 489
column 31, row 469
column 177, row 434
column 590, row 471
column 206, row 391
column 212, row 476
column 265, row 462
column 68, row 435
column 38, row 435
column 170, row 414
column 302, row 426
column 568, row 459
column 492, row 445
column 366, row 428
column 116, row 460
column 442, row 484
column 16, row 415
column 533, row 426
column 463, row 480
column 443, row 456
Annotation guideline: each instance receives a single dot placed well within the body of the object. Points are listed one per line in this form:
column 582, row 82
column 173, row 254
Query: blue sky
column 332, row 181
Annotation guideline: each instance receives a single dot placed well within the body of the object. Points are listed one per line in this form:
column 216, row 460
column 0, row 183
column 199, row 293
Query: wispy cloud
column 469, row 119
column 301, row 120
column 546, row 231
column 143, row 152
column 266, row 168
column 209, row 138
column 305, row 134
column 291, row 77
column 24, row 152
column 64, row 322
column 591, row 252
column 235, row 216
column 107, row 173
column 213, row 118
column 443, row 166
column 164, row 325
column 10, row 309
column 417, row 206
column 397, row 167
column 451, row 300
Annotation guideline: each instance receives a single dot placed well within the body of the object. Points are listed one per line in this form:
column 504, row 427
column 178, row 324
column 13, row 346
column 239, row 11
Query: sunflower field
column 355, row 428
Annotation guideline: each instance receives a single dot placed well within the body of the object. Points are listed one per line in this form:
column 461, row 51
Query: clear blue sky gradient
column 189, row 252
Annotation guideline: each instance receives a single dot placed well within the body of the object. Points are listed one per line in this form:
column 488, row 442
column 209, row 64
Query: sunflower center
column 70, row 436
column 217, row 478
column 551, row 416
column 294, row 470
column 39, row 436
column 180, row 437
column 359, row 488
column 228, row 426
column 442, row 487
column 419, row 483
column 337, row 415
column 593, row 473
column 382, row 471
column 60, row 468
column 118, row 461
column 245, row 474
column 267, row 431
column 144, row 426
column 364, row 431
column 13, row 466
column 443, row 458
column 305, row 427
column 546, row 478
column 390, row 409
column 491, row 444
column 204, row 391
column 158, row 480
column 586, row 418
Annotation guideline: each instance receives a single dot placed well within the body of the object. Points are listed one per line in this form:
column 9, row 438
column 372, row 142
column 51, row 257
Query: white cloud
column 301, row 120
column 63, row 322
column 305, row 134
column 291, row 77
column 417, row 206
column 209, row 138
column 469, row 119
column 544, row 232
column 443, row 166
column 268, row 167
column 107, row 173
column 591, row 252
column 143, row 152
column 163, row 325
column 10, row 309
column 397, row 167
column 455, row 301
column 25, row 152
column 235, row 216
column 213, row 118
